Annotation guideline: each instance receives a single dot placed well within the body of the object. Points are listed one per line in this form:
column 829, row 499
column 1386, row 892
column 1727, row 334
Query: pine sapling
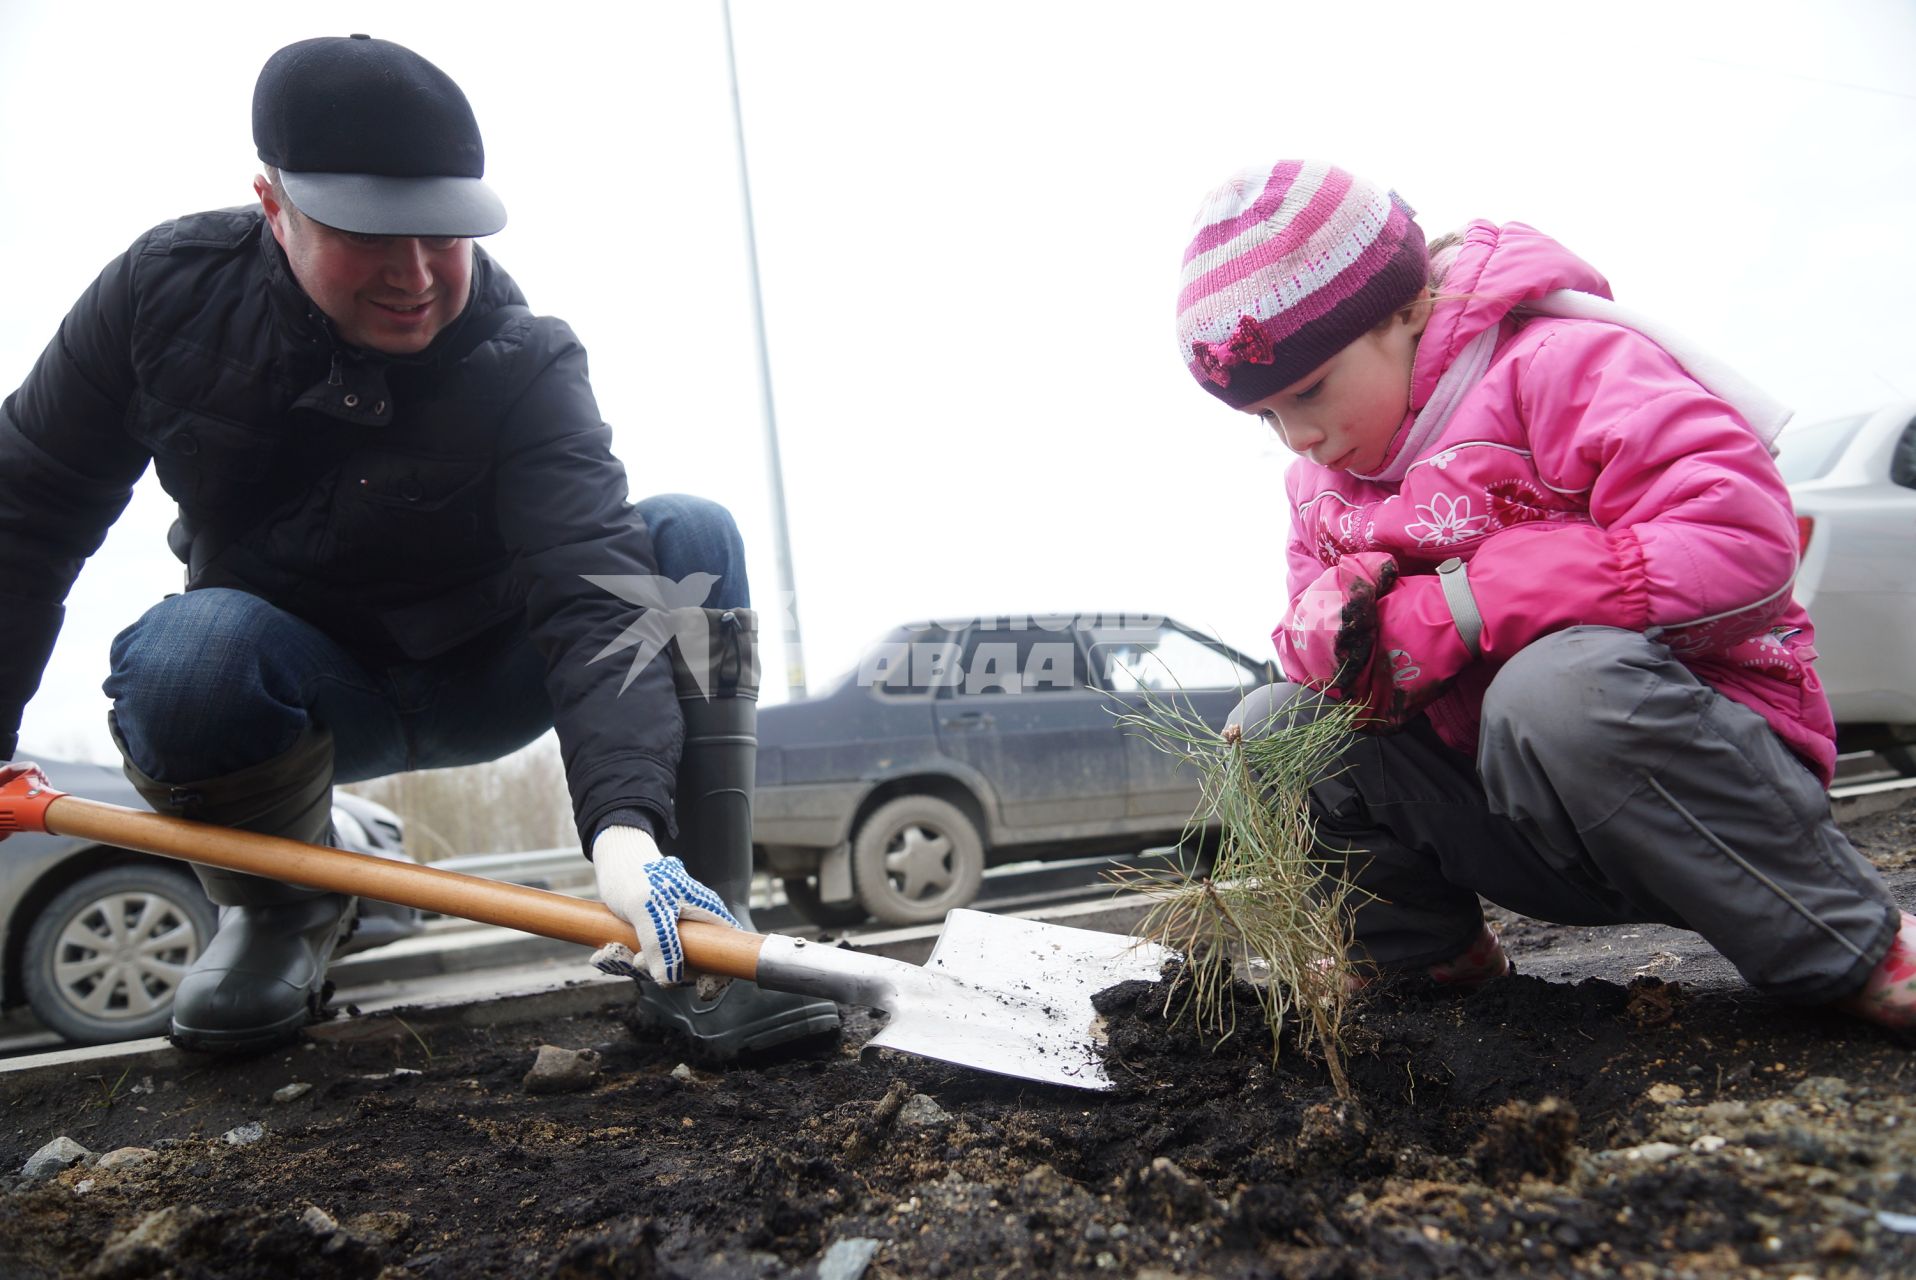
column 1275, row 907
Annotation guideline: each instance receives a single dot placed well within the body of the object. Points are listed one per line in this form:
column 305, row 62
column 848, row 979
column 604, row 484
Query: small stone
column 684, row 1074
column 1836, row 1243
column 147, row 1247
column 382, row 1227
column 1106, row 1261
column 83, row 1186
column 1826, row 1089
column 1726, row 1113
column 125, row 1158
column 292, row 1092
column 244, row 1135
column 1649, row 1152
column 847, row 1259
column 558, row 1070
column 920, row 1110
column 1665, row 1094
column 62, row 1153
column 1165, row 1190
column 397, row 1073
column 1708, row 1144
column 1044, row 1185
column 318, row 1221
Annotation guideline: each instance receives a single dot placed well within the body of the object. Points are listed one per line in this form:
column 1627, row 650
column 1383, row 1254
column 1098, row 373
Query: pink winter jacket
column 1584, row 479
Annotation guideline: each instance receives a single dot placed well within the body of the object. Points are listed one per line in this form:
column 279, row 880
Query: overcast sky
column 970, row 219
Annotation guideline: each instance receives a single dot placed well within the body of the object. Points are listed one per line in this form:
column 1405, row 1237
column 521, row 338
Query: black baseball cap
column 370, row 137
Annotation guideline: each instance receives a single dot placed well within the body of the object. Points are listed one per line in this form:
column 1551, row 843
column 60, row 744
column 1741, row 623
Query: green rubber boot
column 263, row 977
column 715, row 842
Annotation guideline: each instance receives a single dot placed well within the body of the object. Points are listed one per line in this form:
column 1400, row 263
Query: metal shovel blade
column 999, row 993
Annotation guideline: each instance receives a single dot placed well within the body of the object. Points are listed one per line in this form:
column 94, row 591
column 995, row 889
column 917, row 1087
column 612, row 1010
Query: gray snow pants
column 1611, row 786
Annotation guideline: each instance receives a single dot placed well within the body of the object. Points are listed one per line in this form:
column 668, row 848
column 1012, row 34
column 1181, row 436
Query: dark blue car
column 959, row 744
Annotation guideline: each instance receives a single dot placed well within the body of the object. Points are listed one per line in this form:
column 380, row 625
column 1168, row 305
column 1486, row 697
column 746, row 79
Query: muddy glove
column 651, row 892
column 1369, row 638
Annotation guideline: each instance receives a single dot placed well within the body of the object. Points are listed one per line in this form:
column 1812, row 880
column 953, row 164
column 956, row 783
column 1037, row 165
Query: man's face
column 391, row 294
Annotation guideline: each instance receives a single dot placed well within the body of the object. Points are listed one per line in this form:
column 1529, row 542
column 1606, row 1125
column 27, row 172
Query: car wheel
column 915, row 858
column 104, row 958
column 802, row 893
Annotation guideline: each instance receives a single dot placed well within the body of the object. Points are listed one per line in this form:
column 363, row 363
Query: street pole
column 781, row 534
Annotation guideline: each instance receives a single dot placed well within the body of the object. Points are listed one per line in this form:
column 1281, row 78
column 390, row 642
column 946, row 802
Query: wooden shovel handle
column 709, row 948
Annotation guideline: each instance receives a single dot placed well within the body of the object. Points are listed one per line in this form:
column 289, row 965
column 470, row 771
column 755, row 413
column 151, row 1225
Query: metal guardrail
column 564, row 870
column 1864, row 785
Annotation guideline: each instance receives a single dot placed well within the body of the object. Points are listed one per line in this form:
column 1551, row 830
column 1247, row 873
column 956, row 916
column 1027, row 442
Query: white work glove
column 650, row 892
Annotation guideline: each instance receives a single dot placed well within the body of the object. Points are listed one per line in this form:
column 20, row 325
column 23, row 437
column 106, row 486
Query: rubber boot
column 263, row 976
column 714, row 841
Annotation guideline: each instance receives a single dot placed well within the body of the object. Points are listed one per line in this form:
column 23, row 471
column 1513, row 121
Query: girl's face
column 1345, row 413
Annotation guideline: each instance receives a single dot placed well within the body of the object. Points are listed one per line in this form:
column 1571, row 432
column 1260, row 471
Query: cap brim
column 370, row 204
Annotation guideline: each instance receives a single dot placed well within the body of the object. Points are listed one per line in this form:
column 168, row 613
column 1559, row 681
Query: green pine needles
column 1274, row 911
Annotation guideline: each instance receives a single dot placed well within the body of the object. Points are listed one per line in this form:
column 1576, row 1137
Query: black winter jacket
column 404, row 505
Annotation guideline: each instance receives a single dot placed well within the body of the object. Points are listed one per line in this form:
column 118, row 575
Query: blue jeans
column 212, row 682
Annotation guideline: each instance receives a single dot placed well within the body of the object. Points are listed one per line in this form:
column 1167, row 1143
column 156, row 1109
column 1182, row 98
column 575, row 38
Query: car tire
column 164, row 923
column 915, row 858
column 802, row 893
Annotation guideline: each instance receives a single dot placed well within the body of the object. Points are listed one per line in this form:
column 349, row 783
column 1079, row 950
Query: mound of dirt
column 1603, row 1113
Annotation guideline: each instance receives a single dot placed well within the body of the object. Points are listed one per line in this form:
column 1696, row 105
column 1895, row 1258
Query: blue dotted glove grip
column 674, row 890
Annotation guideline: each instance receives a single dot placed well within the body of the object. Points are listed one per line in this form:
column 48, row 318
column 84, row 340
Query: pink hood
column 1494, row 270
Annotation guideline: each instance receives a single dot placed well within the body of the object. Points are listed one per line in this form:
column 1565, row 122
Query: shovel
column 1000, row 994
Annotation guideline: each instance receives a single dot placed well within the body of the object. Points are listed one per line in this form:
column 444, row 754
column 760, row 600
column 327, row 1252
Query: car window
column 1902, row 463
column 1804, row 453
column 909, row 661
column 1165, row 660
column 1020, row 661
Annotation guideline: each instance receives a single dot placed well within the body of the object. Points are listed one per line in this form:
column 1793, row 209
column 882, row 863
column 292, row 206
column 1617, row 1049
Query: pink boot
column 1889, row 997
column 1482, row 961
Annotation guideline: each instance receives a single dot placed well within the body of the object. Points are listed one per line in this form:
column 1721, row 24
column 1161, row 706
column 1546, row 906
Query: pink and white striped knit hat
column 1288, row 266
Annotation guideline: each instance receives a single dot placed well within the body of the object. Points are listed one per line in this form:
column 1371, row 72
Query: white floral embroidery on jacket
column 1446, row 520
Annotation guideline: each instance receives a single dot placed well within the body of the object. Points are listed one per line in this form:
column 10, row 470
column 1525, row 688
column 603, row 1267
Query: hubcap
column 918, row 862
column 122, row 956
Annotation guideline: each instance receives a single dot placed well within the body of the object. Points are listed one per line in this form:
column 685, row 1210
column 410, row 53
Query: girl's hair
column 1442, row 253
column 1443, row 256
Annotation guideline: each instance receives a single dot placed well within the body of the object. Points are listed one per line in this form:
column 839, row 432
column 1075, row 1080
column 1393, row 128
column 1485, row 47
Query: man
column 407, row 543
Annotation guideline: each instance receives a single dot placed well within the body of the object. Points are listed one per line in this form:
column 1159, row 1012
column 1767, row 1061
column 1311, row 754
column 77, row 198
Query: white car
column 1853, row 481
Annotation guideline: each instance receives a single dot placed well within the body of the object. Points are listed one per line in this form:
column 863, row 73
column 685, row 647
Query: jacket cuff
column 644, row 819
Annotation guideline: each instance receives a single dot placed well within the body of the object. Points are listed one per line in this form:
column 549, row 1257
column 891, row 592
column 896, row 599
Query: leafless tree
column 515, row 803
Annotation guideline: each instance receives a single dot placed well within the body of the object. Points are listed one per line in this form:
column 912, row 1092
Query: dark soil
column 1615, row 1122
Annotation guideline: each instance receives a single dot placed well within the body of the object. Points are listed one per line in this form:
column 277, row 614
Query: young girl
column 1549, row 558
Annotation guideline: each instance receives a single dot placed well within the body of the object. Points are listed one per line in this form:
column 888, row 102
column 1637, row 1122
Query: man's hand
column 11, row 771
column 1368, row 638
column 651, row 892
